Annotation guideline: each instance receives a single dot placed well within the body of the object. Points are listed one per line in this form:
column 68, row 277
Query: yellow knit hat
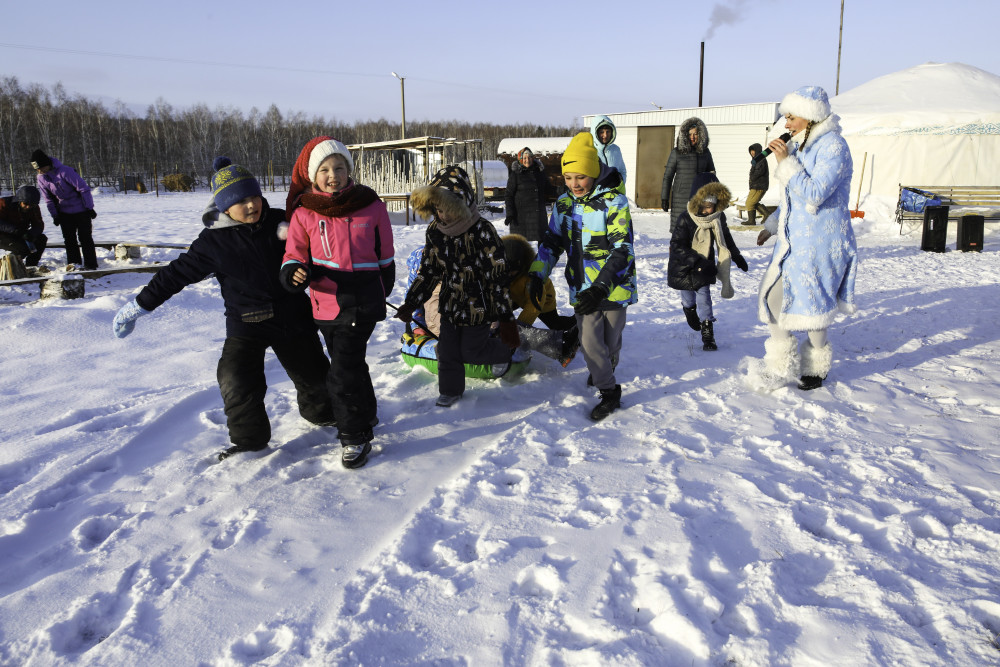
column 581, row 156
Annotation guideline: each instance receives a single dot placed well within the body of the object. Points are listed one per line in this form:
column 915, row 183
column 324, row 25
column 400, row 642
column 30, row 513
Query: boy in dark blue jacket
column 243, row 244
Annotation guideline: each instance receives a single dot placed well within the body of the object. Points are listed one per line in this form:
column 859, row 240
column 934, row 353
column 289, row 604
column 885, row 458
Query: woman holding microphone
column 812, row 271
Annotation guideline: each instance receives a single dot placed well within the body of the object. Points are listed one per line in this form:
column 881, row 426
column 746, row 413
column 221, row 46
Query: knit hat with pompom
column 232, row 183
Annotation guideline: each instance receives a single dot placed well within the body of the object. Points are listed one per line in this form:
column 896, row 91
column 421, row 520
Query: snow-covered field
column 704, row 524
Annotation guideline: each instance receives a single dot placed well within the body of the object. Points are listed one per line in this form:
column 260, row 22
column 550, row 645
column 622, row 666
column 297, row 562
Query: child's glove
column 92, row 213
column 741, row 263
column 509, row 334
column 536, row 290
column 405, row 313
column 665, row 205
column 286, row 276
column 510, row 220
column 125, row 319
column 589, row 299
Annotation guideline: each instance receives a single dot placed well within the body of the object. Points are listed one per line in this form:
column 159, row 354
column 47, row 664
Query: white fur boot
column 816, row 361
column 781, row 357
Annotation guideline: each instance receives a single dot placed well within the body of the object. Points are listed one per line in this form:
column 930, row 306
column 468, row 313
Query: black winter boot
column 708, row 337
column 611, row 400
column 692, row 317
column 238, row 449
column 810, row 382
column 752, row 216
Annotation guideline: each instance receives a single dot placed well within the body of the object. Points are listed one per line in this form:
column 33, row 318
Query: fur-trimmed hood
column 520, row 254
column 598, row 122
column 682, row 143
column 452, row 215
column 721, row 193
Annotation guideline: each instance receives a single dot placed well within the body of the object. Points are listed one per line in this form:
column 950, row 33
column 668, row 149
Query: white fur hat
column 325, row 149
column 809, row 102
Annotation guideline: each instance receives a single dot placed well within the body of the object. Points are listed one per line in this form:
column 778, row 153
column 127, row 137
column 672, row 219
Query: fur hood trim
column 448, row 209
column 520, row 254
column 721, row 192
column 682, row 143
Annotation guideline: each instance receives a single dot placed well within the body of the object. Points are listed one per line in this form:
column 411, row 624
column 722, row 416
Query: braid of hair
column 809, row 128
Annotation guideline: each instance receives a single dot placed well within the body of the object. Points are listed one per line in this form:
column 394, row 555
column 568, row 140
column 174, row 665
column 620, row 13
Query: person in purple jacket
column 71, row 206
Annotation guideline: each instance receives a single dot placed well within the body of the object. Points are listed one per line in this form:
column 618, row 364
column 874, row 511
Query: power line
column 209, row 63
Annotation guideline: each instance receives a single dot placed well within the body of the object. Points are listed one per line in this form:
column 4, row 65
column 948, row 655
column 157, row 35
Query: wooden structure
column 394, row 168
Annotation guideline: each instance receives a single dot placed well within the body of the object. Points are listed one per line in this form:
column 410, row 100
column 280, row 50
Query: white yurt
column 933, row 124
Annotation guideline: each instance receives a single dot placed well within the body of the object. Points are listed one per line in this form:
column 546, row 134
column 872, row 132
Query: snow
column 937, row 97
column 706, row 523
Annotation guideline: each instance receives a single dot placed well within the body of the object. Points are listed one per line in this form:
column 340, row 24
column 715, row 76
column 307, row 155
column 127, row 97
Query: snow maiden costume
column 813, row 268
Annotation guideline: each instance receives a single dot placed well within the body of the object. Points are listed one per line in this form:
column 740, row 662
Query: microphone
column 767, row 151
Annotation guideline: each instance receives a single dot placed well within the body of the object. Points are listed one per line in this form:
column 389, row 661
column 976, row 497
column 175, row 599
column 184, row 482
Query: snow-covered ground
column 704, row 524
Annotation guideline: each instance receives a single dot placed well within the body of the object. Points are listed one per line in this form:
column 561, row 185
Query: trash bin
column 935, row 229
column 970, row 233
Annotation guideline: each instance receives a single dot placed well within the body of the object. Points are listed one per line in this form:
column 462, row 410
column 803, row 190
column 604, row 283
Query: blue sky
column 536, row 62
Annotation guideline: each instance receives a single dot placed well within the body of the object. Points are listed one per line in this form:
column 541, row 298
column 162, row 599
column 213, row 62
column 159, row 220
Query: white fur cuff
column 787, row 168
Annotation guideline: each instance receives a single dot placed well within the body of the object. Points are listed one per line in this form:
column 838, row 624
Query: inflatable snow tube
column 419, row 348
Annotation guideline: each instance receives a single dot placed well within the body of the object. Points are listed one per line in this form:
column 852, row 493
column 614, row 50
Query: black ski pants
column 78, row 233
column 243, row 383
column 349, row 380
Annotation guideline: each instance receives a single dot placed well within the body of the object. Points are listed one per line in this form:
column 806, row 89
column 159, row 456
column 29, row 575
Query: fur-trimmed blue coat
column 815, row 259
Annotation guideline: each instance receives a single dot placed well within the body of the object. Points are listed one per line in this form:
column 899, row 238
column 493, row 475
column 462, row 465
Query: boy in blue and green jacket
column 592, row 224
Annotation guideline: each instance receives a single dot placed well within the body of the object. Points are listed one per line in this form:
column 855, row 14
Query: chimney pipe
column 701, row 74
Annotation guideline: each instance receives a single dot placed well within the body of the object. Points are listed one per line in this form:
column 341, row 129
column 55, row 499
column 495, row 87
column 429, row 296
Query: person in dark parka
column 760, row 178
column 243, row 244
column 527, row 192
column 689, row 157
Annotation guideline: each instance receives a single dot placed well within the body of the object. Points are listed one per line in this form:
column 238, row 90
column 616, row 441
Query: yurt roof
column 933, row 98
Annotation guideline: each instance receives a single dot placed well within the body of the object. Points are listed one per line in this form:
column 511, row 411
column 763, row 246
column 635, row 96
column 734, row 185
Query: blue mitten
column 126, row 317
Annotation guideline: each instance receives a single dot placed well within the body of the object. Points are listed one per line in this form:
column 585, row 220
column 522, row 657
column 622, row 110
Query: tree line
column 115, row 146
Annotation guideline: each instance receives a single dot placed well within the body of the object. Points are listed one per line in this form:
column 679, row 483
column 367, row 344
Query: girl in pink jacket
column 340, row 246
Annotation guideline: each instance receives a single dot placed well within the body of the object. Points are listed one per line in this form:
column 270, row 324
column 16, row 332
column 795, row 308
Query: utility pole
column 402, row 95
column 840, row 41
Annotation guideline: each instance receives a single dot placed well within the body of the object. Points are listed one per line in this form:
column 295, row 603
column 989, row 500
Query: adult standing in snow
column 242, row 244
column 760, row 179
column 71, row 205
column 526, row 194
column 608, row 152
column 340, row 246
column 689, row 158
column 813, row 267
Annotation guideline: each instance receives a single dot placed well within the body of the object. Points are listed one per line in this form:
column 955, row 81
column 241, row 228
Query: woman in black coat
column 689, row 158
column 526, row 195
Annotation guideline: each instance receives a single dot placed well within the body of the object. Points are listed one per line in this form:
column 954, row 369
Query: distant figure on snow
column 21, row 225
column 689, row 158
column 71, row 206
column 608, row 152
column 760, row 179
column 526, row 195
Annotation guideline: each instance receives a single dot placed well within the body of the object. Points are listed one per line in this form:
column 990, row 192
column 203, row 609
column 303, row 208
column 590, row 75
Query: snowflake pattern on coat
column 815, row 258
